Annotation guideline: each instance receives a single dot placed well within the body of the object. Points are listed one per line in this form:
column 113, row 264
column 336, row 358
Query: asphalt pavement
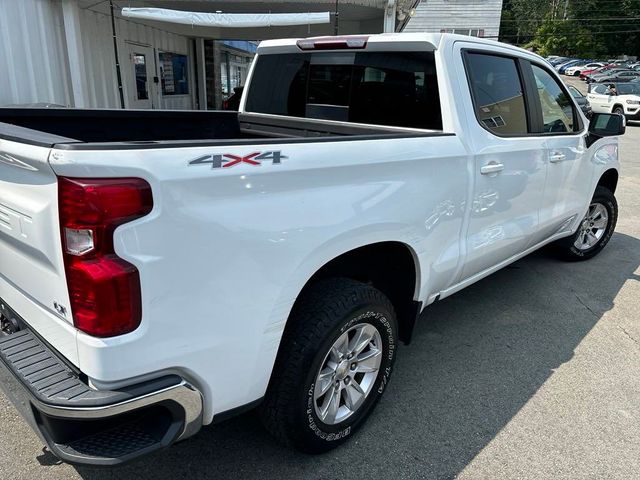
column 532, row 373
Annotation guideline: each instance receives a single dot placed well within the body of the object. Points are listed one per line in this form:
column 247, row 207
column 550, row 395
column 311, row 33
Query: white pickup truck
column 161, row 271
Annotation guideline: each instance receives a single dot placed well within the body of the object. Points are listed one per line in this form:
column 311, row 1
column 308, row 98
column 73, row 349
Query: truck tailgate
column 32, row 278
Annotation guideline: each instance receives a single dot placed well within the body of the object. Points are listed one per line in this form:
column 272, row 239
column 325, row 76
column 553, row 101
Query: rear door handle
column 556, row 157
column 490, row 168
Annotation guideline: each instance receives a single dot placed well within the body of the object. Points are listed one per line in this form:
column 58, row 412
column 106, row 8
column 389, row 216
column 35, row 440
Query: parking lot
column 531, row 373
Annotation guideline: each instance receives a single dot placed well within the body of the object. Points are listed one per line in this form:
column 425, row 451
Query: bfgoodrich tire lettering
column 328, row 310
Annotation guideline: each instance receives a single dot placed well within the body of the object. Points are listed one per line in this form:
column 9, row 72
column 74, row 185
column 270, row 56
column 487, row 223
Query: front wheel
column 619, row 111
column 595, row 229
column 333, row 365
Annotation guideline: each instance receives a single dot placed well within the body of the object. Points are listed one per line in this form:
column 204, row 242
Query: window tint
column 575, row 92
column 557, row 108
column 599, row 89
column 396, row 88
column 629, row 89
column 497, row 93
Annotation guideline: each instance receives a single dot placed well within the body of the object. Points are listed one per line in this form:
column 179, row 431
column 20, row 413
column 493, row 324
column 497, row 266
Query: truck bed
column 123, row 129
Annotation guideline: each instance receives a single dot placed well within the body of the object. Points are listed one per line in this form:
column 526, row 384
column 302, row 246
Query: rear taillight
column 104, row 289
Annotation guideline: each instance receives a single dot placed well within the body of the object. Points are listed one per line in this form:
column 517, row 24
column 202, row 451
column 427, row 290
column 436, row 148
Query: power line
column 587, row 34
column 574, row 19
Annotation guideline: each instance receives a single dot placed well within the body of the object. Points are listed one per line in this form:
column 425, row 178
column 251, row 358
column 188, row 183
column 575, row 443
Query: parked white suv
column 620, row 98
column 164, row 270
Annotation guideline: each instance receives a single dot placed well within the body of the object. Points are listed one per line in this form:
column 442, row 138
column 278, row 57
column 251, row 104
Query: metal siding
column 100, row 63
column 434, row 15
column 100, row 60
column 34, row 59
column 33, row 54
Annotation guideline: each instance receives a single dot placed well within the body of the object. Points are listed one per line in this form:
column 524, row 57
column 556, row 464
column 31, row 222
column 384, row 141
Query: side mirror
column 605, row 125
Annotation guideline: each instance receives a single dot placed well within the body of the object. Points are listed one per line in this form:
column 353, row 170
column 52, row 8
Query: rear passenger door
column 509, row 166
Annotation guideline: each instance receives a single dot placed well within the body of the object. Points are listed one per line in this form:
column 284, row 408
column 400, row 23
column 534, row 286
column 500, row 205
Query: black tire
column 576, row 74
column 619, row 111
column 570, row 251
column 327, row 310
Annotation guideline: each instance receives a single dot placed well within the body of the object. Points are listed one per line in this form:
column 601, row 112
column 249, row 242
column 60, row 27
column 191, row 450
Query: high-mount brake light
column 333, row 43
column 104, row 289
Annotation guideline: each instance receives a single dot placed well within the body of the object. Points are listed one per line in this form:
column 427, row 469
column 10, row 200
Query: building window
column 233, row 72
column 139, row 63
column 174, row 73
column 472, row 32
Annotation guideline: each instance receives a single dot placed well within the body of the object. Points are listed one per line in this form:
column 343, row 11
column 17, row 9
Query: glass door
column 140, row 76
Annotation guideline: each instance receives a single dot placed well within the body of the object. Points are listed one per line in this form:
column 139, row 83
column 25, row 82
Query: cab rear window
column 379, row 88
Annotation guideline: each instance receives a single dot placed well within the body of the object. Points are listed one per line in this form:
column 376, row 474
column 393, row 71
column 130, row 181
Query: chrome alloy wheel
column 348, row 373
column 593, row 227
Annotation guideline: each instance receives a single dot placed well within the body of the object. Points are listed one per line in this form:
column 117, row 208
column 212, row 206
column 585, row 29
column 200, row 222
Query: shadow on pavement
column 476, row 359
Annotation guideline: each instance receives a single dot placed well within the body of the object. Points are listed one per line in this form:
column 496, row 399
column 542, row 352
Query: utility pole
column 115, row 51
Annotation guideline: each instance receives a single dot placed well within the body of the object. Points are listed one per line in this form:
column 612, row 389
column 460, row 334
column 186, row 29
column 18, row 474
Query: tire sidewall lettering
column 379, row 320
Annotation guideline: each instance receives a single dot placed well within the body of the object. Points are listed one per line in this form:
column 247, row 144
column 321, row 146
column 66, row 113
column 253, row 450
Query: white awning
column 232, row 20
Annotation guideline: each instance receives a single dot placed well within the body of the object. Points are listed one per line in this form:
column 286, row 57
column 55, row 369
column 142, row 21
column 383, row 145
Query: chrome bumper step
column 82, row 425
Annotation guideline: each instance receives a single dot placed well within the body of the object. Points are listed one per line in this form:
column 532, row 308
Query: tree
column 586, row 28
column 521, row 18
column 567, row 38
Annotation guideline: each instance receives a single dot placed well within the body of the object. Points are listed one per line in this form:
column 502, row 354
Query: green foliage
column 521, row 18
column 567, row 38
column 582, row 28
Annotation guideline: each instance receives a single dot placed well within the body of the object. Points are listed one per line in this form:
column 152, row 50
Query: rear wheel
column 595, row 229
column 333, row 366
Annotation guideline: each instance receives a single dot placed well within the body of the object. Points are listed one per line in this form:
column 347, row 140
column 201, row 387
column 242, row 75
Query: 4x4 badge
column 227, row 160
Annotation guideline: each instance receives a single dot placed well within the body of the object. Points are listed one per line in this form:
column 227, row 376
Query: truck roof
column 387, row 41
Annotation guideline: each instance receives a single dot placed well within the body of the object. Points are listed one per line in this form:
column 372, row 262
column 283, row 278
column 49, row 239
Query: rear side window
column 379, row 88
column 497, row 93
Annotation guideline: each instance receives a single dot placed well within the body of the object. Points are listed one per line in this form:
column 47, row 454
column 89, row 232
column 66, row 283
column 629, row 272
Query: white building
column 480, row 18
column 63, row 51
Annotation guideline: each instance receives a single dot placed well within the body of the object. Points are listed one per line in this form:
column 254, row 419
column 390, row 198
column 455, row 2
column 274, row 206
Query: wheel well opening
column 388, row 266
column 609, row 180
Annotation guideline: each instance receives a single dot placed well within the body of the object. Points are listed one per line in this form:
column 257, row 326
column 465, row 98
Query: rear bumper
column 85, row 426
